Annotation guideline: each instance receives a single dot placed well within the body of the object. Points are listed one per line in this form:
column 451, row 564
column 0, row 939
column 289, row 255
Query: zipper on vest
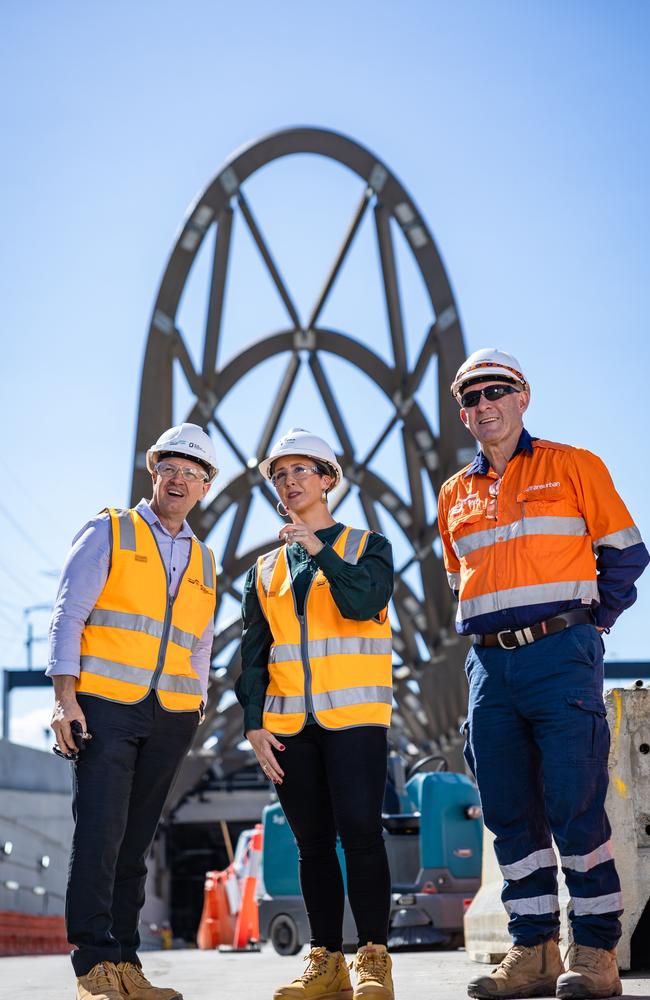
column 164, row 640
column 169, row 607
column 304, row 649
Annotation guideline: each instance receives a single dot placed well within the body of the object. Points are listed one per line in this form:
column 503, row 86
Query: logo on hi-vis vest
column 197, row 583
column 541, row 486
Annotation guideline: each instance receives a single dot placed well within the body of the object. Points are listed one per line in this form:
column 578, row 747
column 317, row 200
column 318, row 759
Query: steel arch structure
column 429, row 681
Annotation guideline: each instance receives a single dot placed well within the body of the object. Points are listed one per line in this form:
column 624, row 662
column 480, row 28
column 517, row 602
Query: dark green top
column 359, row 592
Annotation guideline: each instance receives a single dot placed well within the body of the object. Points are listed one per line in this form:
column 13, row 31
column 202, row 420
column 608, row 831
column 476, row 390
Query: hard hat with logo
column 188, row 440
column 298, row 441
column 485, row 365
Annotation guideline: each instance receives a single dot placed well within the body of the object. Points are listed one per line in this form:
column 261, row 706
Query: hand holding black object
column 80, row 738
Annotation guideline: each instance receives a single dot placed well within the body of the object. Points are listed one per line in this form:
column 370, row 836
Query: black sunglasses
column 491, row 393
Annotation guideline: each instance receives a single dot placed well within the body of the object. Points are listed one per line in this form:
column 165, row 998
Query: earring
column 323, row 496
column 284, row 512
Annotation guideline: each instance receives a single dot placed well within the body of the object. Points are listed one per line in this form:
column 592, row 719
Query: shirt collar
column 144, row 509
column 481, row 464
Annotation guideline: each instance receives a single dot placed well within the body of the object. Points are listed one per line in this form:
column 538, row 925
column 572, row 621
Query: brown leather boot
column 593, row 972
column 101, row 983
column 136, row 986
column 524, row 972
column 373, row 969
column 325, row 978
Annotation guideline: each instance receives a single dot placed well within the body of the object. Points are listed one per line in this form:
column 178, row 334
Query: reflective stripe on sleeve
column 581, row 905
column 352, row 543
column 531, row 863
column 571, row 526
column 352, row 645
column 515, row 597
column 127, row 530
column 585, row 862
column 138, row 675
column 352, row 696
column 141, row 623
column 622, row 539
column 532, row 906
column 208, row 568
column 267, row 566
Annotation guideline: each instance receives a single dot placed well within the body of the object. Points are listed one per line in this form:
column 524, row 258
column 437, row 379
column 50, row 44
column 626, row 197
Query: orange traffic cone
column 205, row 937
column 247, row 930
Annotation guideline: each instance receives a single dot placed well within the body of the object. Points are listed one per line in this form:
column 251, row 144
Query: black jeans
column 334, row 780
column 120, row 784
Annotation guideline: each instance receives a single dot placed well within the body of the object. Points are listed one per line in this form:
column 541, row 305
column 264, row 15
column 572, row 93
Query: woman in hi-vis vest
column 316, row 688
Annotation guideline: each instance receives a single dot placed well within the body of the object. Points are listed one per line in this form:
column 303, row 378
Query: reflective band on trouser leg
column 532, row 906
column 584, row 906
column 530, row 864
column 585, row 862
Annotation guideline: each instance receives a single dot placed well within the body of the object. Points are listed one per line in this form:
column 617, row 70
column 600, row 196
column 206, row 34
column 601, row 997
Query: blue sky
column 520, row 129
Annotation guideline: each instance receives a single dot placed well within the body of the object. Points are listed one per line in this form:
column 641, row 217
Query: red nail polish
column 282, row 748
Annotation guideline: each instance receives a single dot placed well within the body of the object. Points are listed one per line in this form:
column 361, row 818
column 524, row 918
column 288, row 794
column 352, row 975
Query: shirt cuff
column 329, row 561
column 252, row 717
column 57, row 668
column 604, row 617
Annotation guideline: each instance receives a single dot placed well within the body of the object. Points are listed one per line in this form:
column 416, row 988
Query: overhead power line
column 33, row 544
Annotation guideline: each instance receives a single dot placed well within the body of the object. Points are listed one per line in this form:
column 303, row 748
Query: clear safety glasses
column 167, row 470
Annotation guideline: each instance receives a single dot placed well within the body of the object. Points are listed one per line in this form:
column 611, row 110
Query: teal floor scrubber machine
column 433, row 839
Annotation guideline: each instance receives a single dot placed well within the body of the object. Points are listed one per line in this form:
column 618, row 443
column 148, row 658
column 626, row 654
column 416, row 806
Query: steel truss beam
column 429, row 681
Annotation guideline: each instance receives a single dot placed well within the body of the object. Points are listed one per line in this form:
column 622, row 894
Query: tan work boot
column 524, row 972
column 593, row 972
column 373, row 969
column 136, row 986
column 101, row 983
column 325, row 978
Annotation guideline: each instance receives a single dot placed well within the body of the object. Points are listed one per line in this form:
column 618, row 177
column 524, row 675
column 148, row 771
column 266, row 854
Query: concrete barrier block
column 628, row 808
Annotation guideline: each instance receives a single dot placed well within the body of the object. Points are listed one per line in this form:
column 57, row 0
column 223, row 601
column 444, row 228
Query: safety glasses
column 491, row 393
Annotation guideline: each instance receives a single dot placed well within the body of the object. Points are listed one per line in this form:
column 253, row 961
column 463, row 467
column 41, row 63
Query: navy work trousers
column 120, row 784
column 538, row 742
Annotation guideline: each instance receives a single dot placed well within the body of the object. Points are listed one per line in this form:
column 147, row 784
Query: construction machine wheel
column 284, row 935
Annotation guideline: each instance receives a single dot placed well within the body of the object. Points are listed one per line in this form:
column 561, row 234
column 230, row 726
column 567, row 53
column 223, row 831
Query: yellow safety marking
column 619, row 784
column 616, row 695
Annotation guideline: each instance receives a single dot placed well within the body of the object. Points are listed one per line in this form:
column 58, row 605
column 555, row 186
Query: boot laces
column 370, row 965
column 136, row 974
column 103, row 978
column 317, row 964
column 516, row 954
column 587, row 957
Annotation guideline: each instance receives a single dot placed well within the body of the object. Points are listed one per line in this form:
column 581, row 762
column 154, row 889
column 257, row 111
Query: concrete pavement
column 209, row 975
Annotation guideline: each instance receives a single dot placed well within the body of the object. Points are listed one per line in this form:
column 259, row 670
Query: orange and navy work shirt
column 550, row 535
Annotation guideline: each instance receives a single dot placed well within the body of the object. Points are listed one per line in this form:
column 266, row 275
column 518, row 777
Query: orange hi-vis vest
column 138, row 638
column 320, row 662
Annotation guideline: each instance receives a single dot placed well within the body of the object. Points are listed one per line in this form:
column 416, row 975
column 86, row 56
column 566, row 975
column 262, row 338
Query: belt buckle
column 506, row 631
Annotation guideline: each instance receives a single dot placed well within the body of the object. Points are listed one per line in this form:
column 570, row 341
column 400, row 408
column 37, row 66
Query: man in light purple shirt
column 84, row 576
column 130, row 685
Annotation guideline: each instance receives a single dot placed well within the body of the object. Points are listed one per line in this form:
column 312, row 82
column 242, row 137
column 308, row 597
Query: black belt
column 511, row 638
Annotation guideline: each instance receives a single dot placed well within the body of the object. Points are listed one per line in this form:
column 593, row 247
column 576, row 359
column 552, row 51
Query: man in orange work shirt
column 543, row 555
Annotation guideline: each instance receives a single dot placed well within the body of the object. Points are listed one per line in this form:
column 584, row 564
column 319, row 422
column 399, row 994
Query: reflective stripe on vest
column 136, row 638
column 338, row 669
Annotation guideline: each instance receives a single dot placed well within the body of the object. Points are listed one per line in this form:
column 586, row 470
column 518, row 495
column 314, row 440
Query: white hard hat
column 298, row 441
column 189, row 440
column 486, row 364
